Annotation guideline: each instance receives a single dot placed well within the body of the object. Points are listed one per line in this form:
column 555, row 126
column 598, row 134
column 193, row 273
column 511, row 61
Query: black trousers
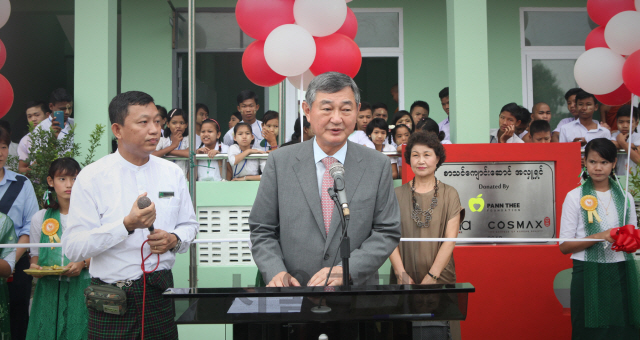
column 19, row 296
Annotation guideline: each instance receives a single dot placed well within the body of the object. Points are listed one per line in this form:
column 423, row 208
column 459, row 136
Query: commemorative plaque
column 504, row 199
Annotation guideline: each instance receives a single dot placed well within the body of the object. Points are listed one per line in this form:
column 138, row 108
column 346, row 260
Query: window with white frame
column 551, row 40
column 380, row 38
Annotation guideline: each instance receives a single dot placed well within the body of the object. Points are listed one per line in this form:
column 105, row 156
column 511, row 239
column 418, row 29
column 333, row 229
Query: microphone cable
column 144, row 279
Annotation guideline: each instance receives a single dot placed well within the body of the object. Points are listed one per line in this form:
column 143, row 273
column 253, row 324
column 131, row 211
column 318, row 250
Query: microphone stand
column 345, row 246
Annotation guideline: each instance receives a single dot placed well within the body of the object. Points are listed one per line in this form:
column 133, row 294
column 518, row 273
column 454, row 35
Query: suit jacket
column 287, row 228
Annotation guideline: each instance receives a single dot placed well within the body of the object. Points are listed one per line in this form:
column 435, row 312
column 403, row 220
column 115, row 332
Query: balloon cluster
column 298, row 39
column 627, row 239
column 6, row 91
column 610, row 68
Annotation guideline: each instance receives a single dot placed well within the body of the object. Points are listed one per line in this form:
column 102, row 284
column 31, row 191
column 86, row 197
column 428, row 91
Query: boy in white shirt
column 511, row 115
column 585, row 128
column 248, row 107
column 570, row 97
column 622, row 138
column 444, row 100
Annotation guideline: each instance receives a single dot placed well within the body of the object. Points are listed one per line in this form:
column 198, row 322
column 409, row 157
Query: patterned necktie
column 327, row 202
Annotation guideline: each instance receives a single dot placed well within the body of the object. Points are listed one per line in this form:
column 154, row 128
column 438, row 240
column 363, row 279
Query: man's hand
column 55, row 126
column 582, row 140
column 508, row 133
column 74, row 268
column 283, row 279
column 140, row 218
column 321, row 276
column 161, row 241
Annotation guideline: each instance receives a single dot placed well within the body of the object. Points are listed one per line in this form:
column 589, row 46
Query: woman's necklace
column 417, row 212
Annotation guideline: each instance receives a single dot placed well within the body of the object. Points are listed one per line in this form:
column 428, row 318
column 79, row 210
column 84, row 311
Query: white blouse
column 165, row 142
column 209, row 170
column 246, row 167
column 36, row 228
column 572, row 224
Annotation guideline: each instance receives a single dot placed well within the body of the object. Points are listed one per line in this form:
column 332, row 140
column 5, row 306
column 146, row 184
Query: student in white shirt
column 202, row 113
column 245, row 169
column 210, row 170
column 444, row 100
column 364, row 117
column 522, row 129
column 600, row 274
column 570, row 97
column 163, row 119
column 510, row 116
column 270, row 130
column 419, row 109
column 37, row 111
column 585, row 128
column 60, row 100
column 176, row 142
column 622, row 137
column 400, row 134
column 248, row 107
column 430, row 125
column 106, row 225
column 377, row 131
column 540, row 111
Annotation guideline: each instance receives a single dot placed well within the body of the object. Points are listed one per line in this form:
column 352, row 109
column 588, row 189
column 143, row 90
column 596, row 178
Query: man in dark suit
column 295, row 227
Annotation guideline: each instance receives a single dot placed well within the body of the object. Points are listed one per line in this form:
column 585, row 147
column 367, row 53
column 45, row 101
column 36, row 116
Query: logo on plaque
column 479, row 201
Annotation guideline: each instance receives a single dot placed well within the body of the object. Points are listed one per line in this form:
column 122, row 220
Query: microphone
column 337, row 172
column 144, row 202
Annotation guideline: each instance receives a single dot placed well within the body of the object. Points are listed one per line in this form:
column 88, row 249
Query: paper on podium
column 266, row 305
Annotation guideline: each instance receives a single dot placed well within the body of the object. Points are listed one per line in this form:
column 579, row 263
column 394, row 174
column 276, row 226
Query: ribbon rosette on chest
column 50, row 228
column 590, row 203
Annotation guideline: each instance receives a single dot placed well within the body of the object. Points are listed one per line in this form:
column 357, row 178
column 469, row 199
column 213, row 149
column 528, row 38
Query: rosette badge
column 590, row 203
column 50, row 228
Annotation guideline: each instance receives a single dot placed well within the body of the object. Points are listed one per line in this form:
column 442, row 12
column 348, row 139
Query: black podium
column 359, row 312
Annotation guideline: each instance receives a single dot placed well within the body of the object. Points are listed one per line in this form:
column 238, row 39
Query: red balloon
column 601, row 11
column 596, row 39
column 618, row 97
column 3, row 54
column 257, row 18
column 350, row 26
column 631, row 73
column 256, row 68
column 336, row 53
column 6, row 96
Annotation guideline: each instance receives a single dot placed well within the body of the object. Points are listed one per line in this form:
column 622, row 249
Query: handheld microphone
column 337, row 172
column 144, row 202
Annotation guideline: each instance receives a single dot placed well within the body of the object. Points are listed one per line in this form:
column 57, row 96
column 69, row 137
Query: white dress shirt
column 165, row 142
column 494, row 137
column 256, row 128
column 25, row 142
column 563, row 122
column 319, row 155
column 360, row 137
column 573, row 130
column 209, row 170
column 444, row 127
column 246, row 167
column 36, row 229
column 572, row 224
column 104, row 193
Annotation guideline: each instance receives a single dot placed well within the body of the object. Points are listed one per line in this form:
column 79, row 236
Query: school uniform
column 95, row 230
column 573, row 130
column 25, row 142
column 621, row 164
column 209, row 170
column 493, row 138
column 165, row 142
column 444, row 127
column 360, row 137
column 256, row 129
column 246, row 167
column 524, row 133
column 563, row 122
column 390, row 148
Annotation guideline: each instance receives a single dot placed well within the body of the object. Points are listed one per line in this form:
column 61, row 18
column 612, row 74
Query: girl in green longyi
column 58, row 310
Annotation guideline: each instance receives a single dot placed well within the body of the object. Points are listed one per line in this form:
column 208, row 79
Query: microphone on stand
column 144, row 202
column 337, row 172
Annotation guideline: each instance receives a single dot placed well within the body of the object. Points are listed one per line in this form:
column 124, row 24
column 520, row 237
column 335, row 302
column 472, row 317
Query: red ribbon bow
column 627, row 239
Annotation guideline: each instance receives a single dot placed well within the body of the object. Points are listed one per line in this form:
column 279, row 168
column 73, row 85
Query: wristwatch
column 178, row 245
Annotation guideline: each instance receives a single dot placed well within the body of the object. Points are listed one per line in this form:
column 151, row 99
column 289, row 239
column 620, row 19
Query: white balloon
column 622, row 33
column 306, row 78
column 599, row 70
column 5, row 11
column 289, row 50
column 320, row 17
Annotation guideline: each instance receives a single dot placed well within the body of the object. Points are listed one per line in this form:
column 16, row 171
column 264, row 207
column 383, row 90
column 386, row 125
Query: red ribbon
column 627, row 239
